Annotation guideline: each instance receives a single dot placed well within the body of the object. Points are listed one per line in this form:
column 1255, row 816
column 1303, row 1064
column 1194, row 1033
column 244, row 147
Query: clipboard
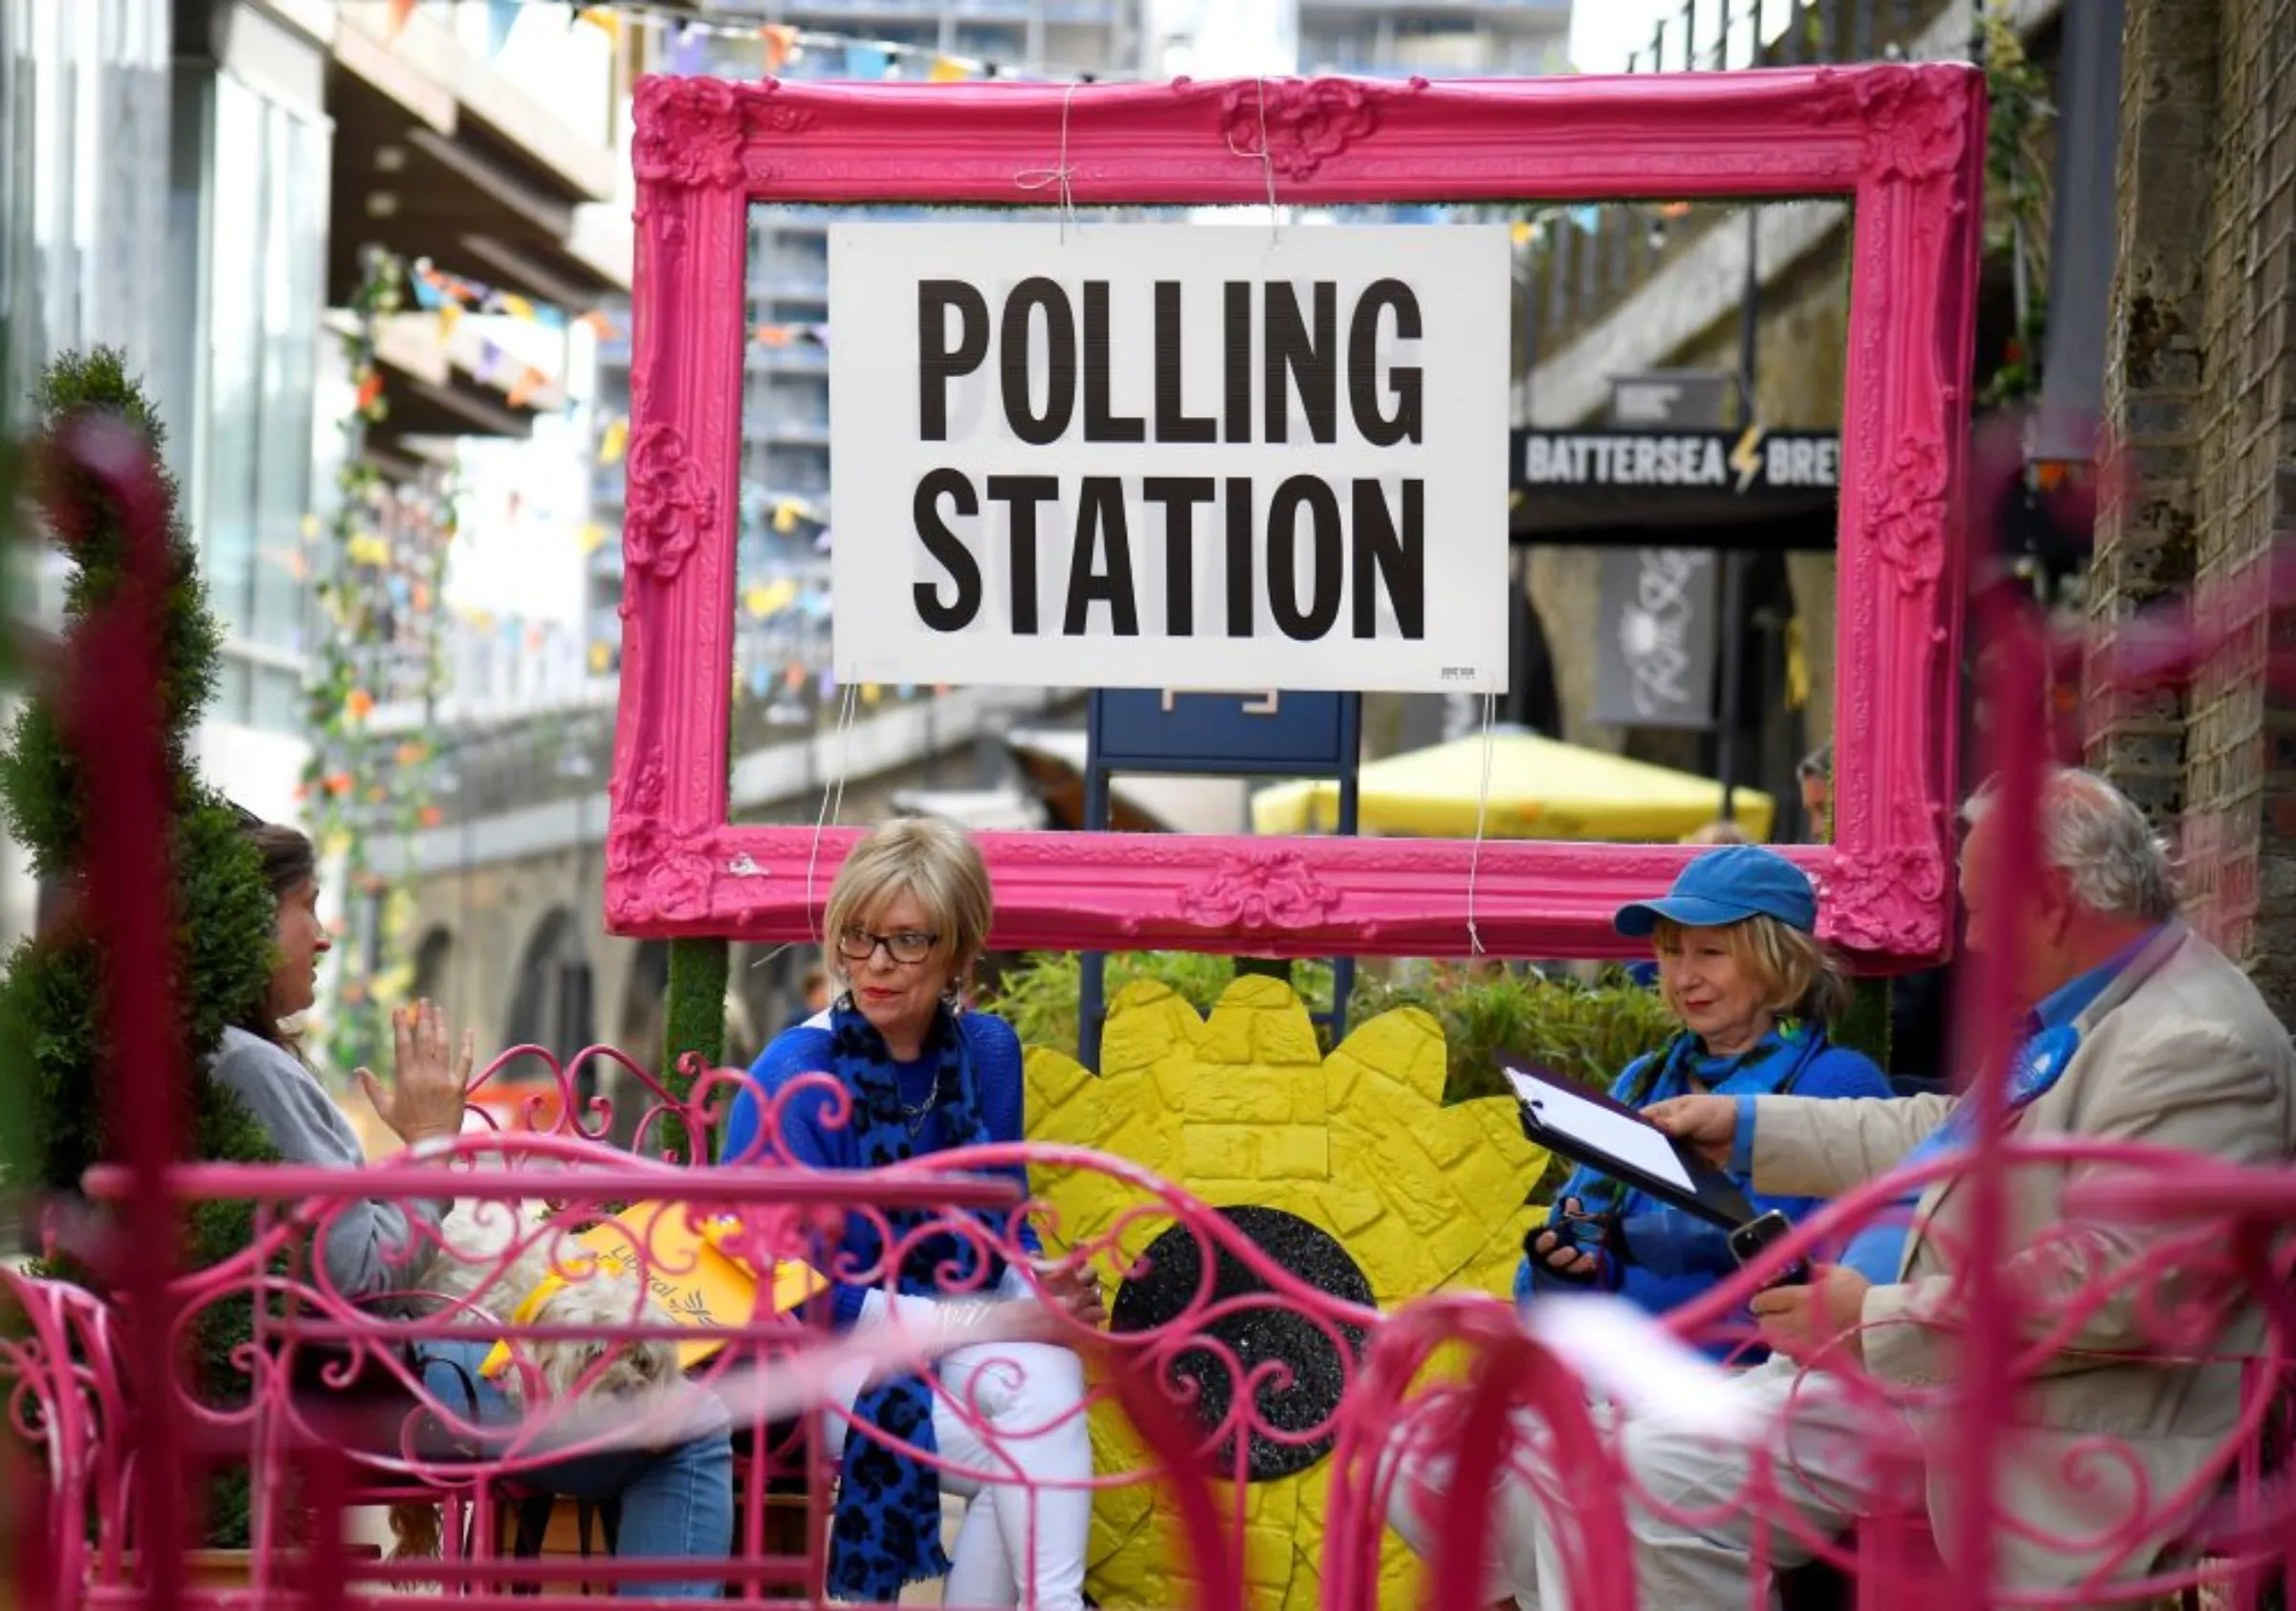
column 1611, row 1139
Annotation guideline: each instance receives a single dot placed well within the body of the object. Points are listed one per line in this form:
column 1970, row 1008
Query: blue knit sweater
column 1671, row 1257
column 808, row 1139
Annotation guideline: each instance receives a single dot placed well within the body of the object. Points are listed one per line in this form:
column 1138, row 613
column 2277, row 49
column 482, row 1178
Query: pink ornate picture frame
column 1905, row 143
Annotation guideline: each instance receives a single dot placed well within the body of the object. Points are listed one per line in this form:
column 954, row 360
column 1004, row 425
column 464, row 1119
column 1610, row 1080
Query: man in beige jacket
column 2139, row 1031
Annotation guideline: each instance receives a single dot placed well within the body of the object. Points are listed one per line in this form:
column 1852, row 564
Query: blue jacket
column 1668, row 1257
column 808, row 1140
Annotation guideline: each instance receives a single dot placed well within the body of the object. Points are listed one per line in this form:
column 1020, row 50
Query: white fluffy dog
column 496, row 1256
column 495, row 1259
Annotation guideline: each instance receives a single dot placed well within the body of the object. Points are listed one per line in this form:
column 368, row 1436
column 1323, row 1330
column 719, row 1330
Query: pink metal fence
column 334, row 1416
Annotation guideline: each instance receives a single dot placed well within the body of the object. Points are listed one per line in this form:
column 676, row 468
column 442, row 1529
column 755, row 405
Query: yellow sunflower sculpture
column 1347, row 1170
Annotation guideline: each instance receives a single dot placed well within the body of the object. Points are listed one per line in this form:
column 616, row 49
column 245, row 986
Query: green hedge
column 54, row 1052
column 1587, row 1031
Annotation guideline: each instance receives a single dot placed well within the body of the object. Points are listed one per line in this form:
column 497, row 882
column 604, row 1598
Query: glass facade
column 84, row 181
column 251, row 208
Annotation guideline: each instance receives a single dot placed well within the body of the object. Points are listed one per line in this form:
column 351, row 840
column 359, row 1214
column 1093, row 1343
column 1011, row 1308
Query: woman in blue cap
column 1739, row 965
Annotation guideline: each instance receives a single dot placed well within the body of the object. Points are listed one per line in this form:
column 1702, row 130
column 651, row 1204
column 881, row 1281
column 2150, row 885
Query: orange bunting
column 773, row 335
column 598, row 323
column 781, row 41
column 400, row 12
column 523, row 388
column 370, row 387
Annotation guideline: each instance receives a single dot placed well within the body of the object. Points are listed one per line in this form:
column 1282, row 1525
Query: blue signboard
column 1225, row 735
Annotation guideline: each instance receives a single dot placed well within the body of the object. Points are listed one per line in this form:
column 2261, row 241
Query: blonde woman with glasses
column 907, row 919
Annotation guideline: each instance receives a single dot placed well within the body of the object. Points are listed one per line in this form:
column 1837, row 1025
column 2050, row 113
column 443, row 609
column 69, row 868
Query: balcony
column 1581, row 276
column 792, row 288
column 800, row 430
column 800, row 358
column 805, row 11
column 1558, row 9
column 439, row 154
column 459, row 386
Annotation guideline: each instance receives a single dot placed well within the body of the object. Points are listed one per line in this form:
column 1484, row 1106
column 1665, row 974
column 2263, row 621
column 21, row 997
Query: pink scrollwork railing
column 329, row 1375
column 2184, row 1262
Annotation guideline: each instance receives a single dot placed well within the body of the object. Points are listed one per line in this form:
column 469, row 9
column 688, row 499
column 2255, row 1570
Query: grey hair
column 2098, row 839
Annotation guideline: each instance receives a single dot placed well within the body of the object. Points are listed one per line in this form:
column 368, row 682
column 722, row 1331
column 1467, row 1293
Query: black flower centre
column 1305, row 1395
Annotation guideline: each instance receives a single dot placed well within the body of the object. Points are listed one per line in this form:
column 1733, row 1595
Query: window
column 265, row 178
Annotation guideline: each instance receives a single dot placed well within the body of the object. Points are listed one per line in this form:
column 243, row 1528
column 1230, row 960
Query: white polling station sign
column 1170, row 456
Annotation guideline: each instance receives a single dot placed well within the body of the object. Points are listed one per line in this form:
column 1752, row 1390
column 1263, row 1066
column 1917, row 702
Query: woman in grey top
column 677, row 1501
column 368, row 1243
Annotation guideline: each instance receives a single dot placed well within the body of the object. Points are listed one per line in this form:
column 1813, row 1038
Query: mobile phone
column 1750, row 1240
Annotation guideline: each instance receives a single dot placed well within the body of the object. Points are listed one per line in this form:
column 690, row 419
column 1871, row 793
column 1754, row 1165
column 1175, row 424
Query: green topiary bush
column 1588, row 1032
column 53, row 1042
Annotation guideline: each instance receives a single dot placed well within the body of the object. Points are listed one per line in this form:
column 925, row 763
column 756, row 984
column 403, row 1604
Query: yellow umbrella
column 1540, row 789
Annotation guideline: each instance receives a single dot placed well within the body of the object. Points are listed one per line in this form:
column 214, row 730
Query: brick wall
column 2200, row 387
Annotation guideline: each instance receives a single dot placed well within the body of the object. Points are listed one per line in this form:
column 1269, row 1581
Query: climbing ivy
column 362, row 788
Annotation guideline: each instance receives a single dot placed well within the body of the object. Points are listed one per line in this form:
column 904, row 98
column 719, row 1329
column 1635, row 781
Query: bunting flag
column 435, row 290
column 613, row 441
column 689, row 50
column 787, row 512
column 782, row 335
column 867, row 62
column 948, row 70
column 765, row 600
column 593, row 538
column 400, row 12
column 501, row 16
column 781, row 45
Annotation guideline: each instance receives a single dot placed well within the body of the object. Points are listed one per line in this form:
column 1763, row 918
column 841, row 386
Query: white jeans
column 1830, row 1457
column 1013, row 1441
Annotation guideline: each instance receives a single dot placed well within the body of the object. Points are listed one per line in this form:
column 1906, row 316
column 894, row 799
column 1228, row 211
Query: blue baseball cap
column 1728, row 885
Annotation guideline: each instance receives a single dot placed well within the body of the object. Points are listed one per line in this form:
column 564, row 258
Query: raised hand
column 428, row 1083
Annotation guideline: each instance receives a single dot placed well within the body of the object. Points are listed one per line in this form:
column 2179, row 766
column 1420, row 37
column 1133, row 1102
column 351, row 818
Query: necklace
column 914, row 1117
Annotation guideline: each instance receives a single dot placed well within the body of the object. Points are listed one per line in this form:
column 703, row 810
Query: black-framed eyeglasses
column 856, row 945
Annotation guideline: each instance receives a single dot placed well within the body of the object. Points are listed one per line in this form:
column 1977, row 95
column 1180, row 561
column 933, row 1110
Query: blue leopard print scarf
column 885, row 1533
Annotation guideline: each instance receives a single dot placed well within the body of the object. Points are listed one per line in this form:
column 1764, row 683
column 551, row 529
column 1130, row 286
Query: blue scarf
column 886, row 1529
column 1878, row 1252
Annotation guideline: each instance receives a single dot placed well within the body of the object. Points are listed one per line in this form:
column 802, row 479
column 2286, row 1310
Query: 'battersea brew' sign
column 1170, row 456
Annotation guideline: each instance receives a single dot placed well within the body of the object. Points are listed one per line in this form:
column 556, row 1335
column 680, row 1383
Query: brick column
column 2240, row 753
column 2201, row 390
column 2155, row 373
